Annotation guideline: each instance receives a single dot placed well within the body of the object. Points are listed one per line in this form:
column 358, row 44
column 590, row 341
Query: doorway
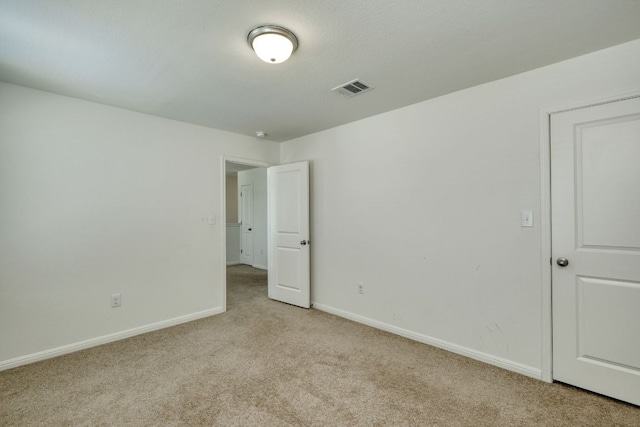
column 595, row 247
column 280, row 237
column 244, row 190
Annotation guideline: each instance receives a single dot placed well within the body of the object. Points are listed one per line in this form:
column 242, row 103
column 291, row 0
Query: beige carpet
column 268, row 363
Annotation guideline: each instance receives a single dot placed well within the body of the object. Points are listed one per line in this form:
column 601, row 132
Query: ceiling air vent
column 352, row 88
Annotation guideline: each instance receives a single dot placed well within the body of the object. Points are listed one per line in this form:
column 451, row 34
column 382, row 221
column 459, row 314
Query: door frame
column 223, row 241
column 545, row 217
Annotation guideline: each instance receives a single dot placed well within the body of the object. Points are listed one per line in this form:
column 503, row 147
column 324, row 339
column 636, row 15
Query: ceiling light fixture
column 272, row 44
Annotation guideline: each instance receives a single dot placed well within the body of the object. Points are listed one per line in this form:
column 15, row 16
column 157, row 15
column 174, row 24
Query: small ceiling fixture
column 272, row 44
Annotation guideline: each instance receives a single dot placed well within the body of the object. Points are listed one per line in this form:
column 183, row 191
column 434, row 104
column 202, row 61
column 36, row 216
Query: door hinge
column 240, row 250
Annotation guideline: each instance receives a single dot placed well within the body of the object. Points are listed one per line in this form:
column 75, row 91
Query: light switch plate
column 526, row 218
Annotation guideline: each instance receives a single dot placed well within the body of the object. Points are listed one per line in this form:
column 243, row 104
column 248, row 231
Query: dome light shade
column 272, row 44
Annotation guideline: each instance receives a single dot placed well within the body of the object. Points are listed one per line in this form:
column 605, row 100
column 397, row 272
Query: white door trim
column 545, row 217
column 223, row 221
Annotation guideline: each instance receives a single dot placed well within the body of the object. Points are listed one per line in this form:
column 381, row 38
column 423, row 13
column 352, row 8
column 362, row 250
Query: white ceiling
column 189, row 60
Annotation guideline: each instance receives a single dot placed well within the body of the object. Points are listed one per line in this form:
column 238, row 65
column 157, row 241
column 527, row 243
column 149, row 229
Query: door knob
column 562, row 262
column 304, row 242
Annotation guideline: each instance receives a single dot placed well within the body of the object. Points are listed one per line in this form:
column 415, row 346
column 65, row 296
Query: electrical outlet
column 115, row 300
column 360, row 288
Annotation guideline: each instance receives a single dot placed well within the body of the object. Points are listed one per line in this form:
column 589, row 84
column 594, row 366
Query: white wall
column 232, row 198
column 258, row 179
column 98, row 200
column 233, row 243
column 422, row 204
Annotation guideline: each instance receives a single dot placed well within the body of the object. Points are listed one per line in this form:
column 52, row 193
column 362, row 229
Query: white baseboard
column 93, row 342
column 529, row 371
column 233, row 263
column 261, row 267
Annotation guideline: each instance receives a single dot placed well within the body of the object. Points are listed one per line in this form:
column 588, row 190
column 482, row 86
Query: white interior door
column 246, row 214
column 595, row 173
column 288, row 216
